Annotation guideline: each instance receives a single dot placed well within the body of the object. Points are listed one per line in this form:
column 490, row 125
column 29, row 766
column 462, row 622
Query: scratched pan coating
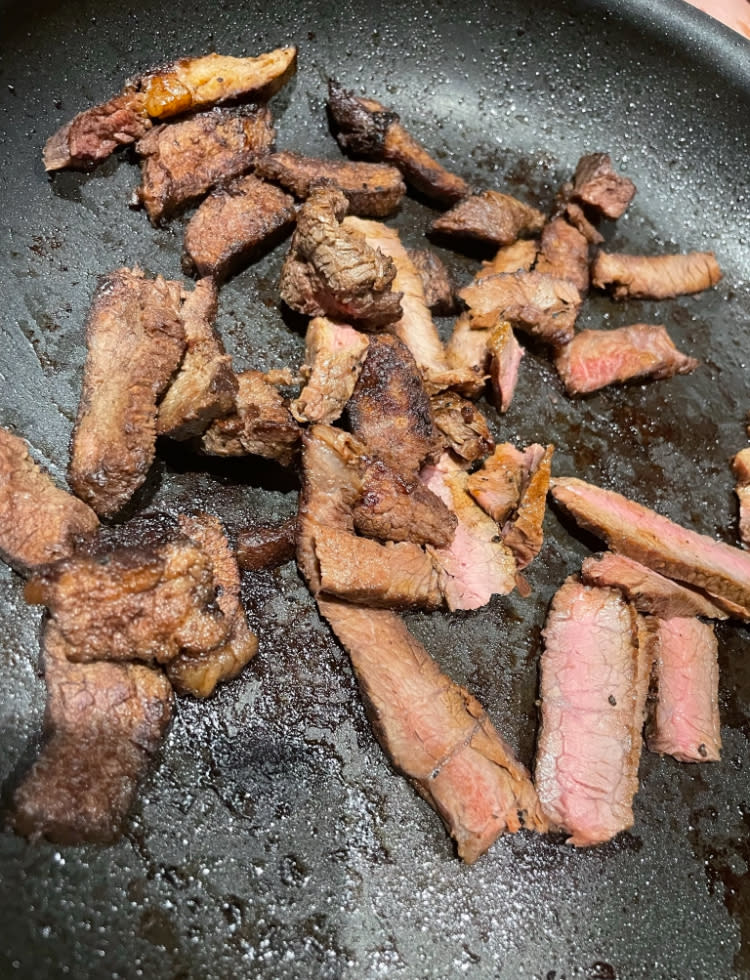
column 272, row 839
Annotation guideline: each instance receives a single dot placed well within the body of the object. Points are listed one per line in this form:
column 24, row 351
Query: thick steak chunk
column 654, row 276
column 436, row 281
column 564, row 254
column 465, row 428
column 490, row 217
column 519, row 256
column 599, row 187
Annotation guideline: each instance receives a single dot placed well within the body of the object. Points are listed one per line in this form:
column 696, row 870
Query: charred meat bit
column 463, row 425
column 564, row 254
column 365, row 128
column 334, row 353
column 436, row 281
column 523, row 532
column 373, row 190
column 520, row 256
column 267, row 545
column 654, row 276
column 135, row 339
column 39, row 522
column 505, row 360
column 597, row 186
column 492, row 217
column 741, row 468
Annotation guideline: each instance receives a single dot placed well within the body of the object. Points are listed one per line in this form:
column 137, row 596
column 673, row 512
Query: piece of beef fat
column 434, row 732
column 741, row 469
column 522, row 533
column 334, row 353
column 519, row 256
column 654, row 276
column 591, row 696
column 598, row 186
column 365, row 128
column 465, row 428
column 267, row 544
column 684, row 720
column 564, row 254
column 491, row 217
column 436, row 281
column 39, row 522
column 136, row 340
column 597, row 358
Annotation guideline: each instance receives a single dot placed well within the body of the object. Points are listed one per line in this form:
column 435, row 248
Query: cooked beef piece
column 205, row 386
column 476, row 565
column 331, row 270
column 597, row 186
column 365, row 128
column 135, row 343
column 684, row 719
column 334, row 353
column 390, row 410
column 92, row 135
column 577, row 217
column 104, row 721
column 267, row 545
column 498, row 484
column 597, row 358
column 540, row 305
column 654, row 276
column 741, row 468
column 39, row 522
column 373, row 190
column 505, row 360
column 434, row 732
column 647, row 590
column 464, row 426
column 592, row 693
column 234, row 225
column 436, row 281
column 519, row 256
column 564, row 254
column 523, row 532
column 467, row 352
column 635, row 531
column 181, row 161
column 489, row 217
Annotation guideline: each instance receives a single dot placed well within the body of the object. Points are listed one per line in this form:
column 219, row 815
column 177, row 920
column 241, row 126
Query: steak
column 489, row 216
column 465, row 428
column 523, row 532
column 468, row 353
column 597, row 186
column 436, row 281
column 497, row 485
column 267, row 545
column 519, row 256
column 577, row 217
column 505, row 360
column 93, row 134
column 741, row 469
column 564, row 254
column 654, row 276
column 334, row 353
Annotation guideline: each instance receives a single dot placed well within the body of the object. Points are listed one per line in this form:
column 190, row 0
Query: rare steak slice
column 741, row 469
column 267, row 544
column 523, row 532
column 491, row 217
column 654, row 276
column 564, row 254
column 434, row 732
column 598, row 186
column 104, row 722
column 592, row 695
column 334, row 353
column 373, row 190
column 365, row 128
column 136, row 340
column 465, row 428
column 597, row 358
column 519, row 256
column 684, row 720
column 436, row 281
column 39, row 522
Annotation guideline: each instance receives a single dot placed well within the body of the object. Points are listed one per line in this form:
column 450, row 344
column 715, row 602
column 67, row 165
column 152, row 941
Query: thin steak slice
column 684, row 719
column 505, row 361
column 635, row 531
column 741, row 469
column 497, row 484
column 373, row 190
column 591, row 692
column 654, row 276
column 103, row 724
column 465, row 428
column 39, row 522
column 564, row 254
column 136, row 340
column 436, row 281
column 334, row 353
column 519, row 256
column 523, row 532
column 597, row 358
column 597, row 186
column 365, row 128
column 467, row 352
column 435, row 733
column 267, row 544
column 490, row 216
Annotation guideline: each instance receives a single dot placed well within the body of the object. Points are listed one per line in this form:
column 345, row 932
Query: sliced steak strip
column 373, row 190
column 234, row 225
column 654, row 276
column 505, row 361
column 136, row 340
column 597, row 358
column 684, row 719
column 741, row 469
column 467, row 352
column 267, row 545
column 647, row 590
column 334, row 353
column 599, row 187
column 93, row 134
column 365, row 128
column 434, row 732
column 498, row 219
column 519, row 256
column 645, row 536
column 104, row 722
column 436, row 281
column 498, row 484
column 592, row 692
column 564, row 254
column 523, row 532
column 465, row 428
column 39, row 522
column 577, row 217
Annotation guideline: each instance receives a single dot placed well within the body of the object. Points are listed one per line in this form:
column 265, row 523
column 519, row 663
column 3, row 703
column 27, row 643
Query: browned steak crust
column 490, row 217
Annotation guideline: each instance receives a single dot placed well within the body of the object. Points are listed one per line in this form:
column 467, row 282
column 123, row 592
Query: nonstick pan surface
column 272, row 839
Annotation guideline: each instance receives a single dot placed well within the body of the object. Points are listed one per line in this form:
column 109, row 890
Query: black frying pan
column 272, row 839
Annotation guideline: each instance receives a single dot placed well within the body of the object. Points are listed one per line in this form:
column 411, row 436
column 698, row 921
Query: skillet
column 272, row 839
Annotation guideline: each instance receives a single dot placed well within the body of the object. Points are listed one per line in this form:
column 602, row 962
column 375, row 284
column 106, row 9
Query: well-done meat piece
column 205, row 386
column 684, row 720
column 467, row 351
column 135, row 341
column 373, row 190
column 654, row 276
column 103, row 723
column 598, row 186
column 39, row 522
column 589, row 746
column 261, row 425
column 182, row 161
column 331, row 269
column 234, row 225
column 646, row 589
column 435, row 732
column 334, row 353
column 489, row 217
column 741, row 469
column 365, row 128
column 464, row 426
column 267, row 545
column 597, row 358
column 577, row 217
column 436, row 281
column 639, row 533
column 519, row 256
column 540, row 305
column 476, row 565
column 505, row 360
column 523, row 532
column 498, row 484
column 564, row 254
